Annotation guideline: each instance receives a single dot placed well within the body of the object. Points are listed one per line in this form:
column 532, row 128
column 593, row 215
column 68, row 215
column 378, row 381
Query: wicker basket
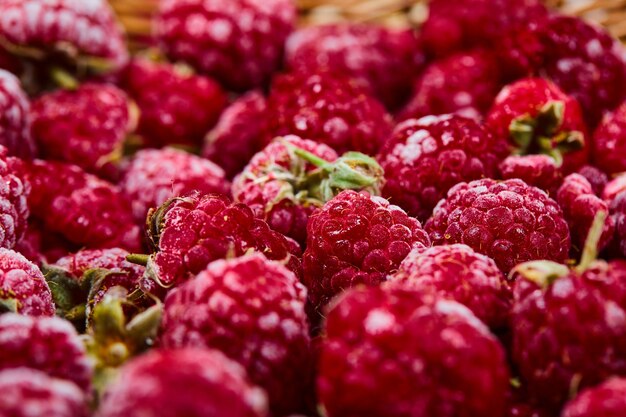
column 135, row 15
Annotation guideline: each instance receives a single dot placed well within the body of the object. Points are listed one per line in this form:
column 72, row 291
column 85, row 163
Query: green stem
column 138, row 259
column 63, row 79
column 590, row 251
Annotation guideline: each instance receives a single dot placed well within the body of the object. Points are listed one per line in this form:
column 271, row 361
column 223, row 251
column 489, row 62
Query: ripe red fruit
column 464, row 83
column 614, row 187
column 48, row 344
column 81, row 207
column 153, row 176
column 395, row 352
column 27, row 391
column 539, row 171
column 14, row 191
column 237, row 135
column 175, row 105
column 617, row 207
column 424, row 158
column 189, row 233
column 86, row 127
column 239, row 43
column 458, row 273
column 606, row 400
column 609, row 142
column 356, row 239
column 23, row 288
column 14, row 117
column 189, row 382
column 596, row 178
column 509, row 221
column 535, row 116
column 327, row 108
column 252, row 310
column 383, row 60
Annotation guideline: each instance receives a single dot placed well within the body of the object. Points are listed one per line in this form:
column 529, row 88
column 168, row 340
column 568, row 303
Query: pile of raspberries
column 259, row 219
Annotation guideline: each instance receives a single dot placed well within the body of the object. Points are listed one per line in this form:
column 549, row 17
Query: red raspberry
column 424, row 158
column 14, row 191
column 86, row 126
column 539, row 171
column 609, row 142
column 606, row 400
column 251, row 309
column 27, row 393
column 14, row 117
column 23, row 288
column 617, row 206
column 85, row 31
column 189, row 233
column 356, row 239
column 460, row 274
column 176, row 106
column 327, row 108
column 580, row 206
column 382, row 59
column 464, row 83
column 569, row 327
column 48, row 344
column 614, row 187
column 454, row 25
column 395, row 352
column 239, row 42
column 583, row 60
column 509, row 221
column 537, row 117
column 596, row 178
column 84, row 209
column 186, row 382
column 153, row 176
column 237, row 135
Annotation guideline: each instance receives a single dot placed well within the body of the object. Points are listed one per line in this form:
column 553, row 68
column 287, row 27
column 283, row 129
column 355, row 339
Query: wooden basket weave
column 135, row 15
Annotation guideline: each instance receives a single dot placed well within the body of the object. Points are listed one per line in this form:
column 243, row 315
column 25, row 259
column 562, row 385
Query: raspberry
column 394, row 352
column 14, row 117
column 614, row 188
column 606, row 400
column 568, row 327
column 580, row 206
column 86, row 126
column 537, row 117
column 154, row 176
column 617, row 206
column 327, row 108
column 243, row 42
column 609, row 142
column 27, row 392
column 176, row 106
column 464, row 83
column 596, row 178
column 424, row 158
column 82, row 208
column 14, row 191
column 23, row 288
column 509, row 221
column 237, row 135
column 539, row 171
column 48, row 344
column 356, row 239
column 189, row 233
column 382, row 59
column 270, row 336
column 460, row 274
column 189, row 382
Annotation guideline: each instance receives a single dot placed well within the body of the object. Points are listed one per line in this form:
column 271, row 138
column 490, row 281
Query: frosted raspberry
column 14, row 117
column 268, row 333
column 48, row 344
column 176, row 106
column 356, row 239
column 539, row 171
column 239, row 42
column 23, row 288
column 86, row 126
column 394, row 352
column 14, row 191
column 509, row 221
column 424, row 158
column 606, row 400
column 609, row 142
column 154, row 176
column 237, row 135
column 458, row 273
column 27, row 393
column 189, row 382
column 382, row 59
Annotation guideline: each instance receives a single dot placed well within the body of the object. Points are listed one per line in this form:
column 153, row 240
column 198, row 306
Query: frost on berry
column 14, row 192
column 14, row 117
column 609, row 142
